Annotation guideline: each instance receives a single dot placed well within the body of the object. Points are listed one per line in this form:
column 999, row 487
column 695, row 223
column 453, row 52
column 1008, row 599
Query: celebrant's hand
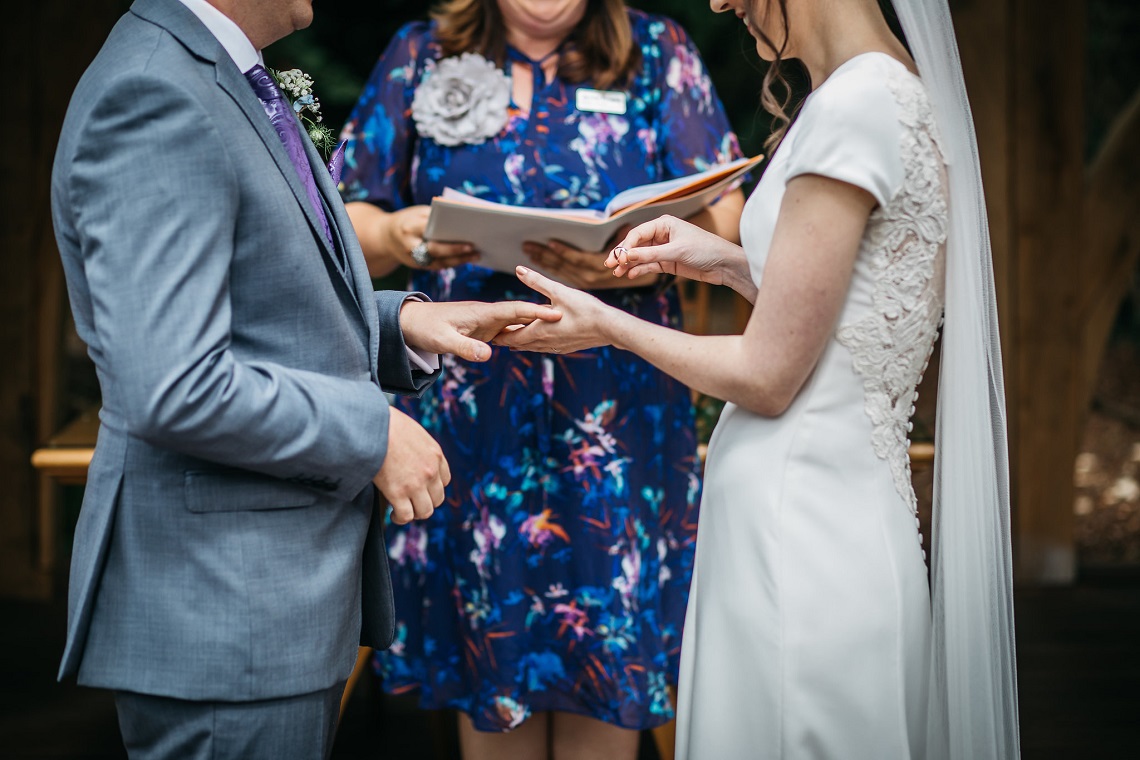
column 464, row 328
column 414, row 472
column 585, row 270
column 586, row 322
column 668, row 245
column 405, row 241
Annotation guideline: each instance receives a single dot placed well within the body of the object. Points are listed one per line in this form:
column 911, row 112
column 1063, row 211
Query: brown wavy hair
column 776, row 91
column 600, row 50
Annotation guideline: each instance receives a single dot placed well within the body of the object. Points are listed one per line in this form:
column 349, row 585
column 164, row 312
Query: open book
column 498, row 230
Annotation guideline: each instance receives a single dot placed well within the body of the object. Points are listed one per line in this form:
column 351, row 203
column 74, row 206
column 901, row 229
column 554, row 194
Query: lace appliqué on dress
column 904, row 244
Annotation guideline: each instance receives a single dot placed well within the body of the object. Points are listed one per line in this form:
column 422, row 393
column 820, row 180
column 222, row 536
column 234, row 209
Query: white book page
column 567, row 213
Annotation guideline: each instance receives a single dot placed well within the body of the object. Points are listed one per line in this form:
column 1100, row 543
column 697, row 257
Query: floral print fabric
column 556, row 574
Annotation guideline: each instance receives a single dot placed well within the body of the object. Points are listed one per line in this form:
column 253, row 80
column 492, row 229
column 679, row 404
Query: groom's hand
column 464, row 328
column 415, row 471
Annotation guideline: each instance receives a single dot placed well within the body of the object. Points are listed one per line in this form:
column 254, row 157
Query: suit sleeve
column 156, row 204
column 397, row 375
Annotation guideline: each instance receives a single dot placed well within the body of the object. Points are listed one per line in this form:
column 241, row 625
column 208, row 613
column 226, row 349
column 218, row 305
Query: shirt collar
column 245, row 56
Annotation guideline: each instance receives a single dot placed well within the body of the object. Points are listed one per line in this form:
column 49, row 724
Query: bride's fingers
column 646, row 255
column 519, row 337
column 535, row 281
column 521, row 312
column 654, row 268
column 654, row 232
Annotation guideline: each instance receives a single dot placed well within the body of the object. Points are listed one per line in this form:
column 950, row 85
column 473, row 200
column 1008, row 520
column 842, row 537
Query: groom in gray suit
column 229, row 557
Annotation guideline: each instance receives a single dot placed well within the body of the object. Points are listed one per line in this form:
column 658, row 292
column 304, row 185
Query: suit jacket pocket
column 239, row 491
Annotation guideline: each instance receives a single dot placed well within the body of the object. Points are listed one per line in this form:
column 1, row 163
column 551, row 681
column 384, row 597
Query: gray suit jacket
column 221, row 544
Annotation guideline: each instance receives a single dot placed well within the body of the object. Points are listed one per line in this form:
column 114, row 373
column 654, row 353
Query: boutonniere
column 463, row 100
column 297, row 87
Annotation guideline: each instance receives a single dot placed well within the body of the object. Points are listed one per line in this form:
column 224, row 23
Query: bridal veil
column 973, row 686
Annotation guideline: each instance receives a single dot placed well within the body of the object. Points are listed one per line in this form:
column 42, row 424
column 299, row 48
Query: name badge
column 600, row 101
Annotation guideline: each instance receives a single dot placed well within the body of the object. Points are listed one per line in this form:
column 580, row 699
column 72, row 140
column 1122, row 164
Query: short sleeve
column 694, row 132
column 849, row 130
column 380, row 134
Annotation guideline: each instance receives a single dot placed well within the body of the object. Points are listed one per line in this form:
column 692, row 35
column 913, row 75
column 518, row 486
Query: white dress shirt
column 229, row 34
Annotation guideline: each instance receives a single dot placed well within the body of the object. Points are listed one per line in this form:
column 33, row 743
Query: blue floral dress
column 556, row 574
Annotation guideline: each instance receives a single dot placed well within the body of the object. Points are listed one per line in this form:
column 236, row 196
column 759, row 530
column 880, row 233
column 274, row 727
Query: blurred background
column 1055, row 88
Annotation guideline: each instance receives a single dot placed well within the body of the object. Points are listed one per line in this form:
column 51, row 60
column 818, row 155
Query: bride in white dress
column 810, row 630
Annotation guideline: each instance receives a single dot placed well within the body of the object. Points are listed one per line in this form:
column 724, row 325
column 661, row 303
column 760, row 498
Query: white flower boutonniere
column 297, row 86
column 462, row 101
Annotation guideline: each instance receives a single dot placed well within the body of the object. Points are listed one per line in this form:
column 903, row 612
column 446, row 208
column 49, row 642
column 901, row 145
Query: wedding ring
column 420, row 254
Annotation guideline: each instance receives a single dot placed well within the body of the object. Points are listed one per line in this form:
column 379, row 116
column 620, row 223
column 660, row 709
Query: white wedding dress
column 808, row 627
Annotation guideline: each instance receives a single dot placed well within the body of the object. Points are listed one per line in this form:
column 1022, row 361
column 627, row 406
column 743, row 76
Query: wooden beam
column 41, row 74
column 1047, row 188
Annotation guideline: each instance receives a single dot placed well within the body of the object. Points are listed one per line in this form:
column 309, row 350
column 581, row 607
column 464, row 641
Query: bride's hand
column 585, row 322
column 668, row 245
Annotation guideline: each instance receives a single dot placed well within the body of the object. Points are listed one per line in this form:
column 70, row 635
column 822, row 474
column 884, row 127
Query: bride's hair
column 776, row 105
column 776, row 81
column 601, row 48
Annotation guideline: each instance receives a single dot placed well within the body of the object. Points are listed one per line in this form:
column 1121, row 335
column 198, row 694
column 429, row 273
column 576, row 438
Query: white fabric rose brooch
column 463, row 100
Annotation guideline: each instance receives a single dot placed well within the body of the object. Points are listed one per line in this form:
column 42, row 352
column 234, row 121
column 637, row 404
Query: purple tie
column 285, row 122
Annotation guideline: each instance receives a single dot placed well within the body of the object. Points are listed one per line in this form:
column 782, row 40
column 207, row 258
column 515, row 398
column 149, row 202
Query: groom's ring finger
column 402, row 512
column 444, row 472
column 435, row 490
column 422, row 506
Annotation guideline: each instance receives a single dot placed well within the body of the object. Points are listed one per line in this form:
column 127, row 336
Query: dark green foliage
column 1113, row 71
column 1112, row 79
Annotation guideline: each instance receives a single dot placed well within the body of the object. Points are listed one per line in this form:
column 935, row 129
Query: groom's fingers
column 502, row 315
column 523, row 313
column 423, row 504
column 444, row 471
column 435, row 492
column 524, row 336
column 472, row 350
column 402, row 512
column 414, row 461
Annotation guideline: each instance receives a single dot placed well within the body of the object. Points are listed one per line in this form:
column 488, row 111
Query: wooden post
column 45, row 46
column 1047, row 187
column 1023, row 61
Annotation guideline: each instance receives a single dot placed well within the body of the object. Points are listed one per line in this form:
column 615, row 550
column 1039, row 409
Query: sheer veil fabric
column 973, row 685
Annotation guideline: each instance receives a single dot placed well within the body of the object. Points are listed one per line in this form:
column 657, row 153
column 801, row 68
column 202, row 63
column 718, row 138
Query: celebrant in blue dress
column 550, row 588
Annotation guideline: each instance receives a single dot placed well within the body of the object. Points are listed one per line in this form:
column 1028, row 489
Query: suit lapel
column 185, row 26
column 341, row 227
column 234, row 83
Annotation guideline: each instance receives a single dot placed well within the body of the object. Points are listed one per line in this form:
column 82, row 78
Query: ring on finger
column 420, row 254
